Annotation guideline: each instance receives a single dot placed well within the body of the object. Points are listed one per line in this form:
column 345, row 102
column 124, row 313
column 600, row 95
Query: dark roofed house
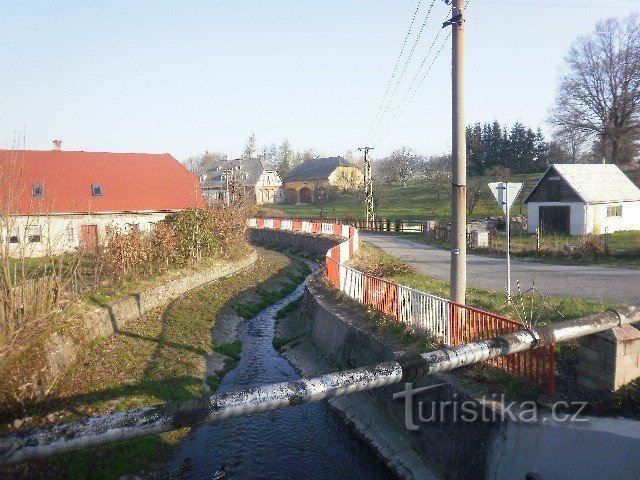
column 56, row 201
column 307, row 180
column 249, row 180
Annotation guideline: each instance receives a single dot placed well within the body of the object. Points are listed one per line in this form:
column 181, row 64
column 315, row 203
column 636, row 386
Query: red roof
column 139, row 182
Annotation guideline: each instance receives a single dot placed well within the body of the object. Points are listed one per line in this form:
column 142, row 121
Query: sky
column 184, row 77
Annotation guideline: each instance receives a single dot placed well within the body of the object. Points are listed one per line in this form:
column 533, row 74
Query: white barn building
column 52, row 202
column 581, row 199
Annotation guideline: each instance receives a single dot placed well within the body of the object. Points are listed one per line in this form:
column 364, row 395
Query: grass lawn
column 157, row 358
column 625, row 402
column 374, row 261
column 416, row 202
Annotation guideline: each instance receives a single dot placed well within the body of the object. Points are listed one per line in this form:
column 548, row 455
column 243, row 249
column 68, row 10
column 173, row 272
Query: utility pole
column 370, row 214
column 459, row 163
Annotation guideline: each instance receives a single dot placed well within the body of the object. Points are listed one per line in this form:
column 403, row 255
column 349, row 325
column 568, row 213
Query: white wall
column 630, row 219
column 595, row 449
column 596, row 220
column 61, row 233
column 269, row 178
column 576, row 216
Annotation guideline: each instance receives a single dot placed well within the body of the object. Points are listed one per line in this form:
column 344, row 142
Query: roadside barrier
column 449, row 322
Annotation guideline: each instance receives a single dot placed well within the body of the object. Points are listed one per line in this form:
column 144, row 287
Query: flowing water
column 307, row 441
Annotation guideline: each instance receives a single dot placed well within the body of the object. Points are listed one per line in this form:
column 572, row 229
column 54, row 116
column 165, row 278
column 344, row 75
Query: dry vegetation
column 44, row 300
column 158, row 358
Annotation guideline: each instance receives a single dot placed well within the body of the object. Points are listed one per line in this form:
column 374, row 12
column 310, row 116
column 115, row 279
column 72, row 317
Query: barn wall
column 56, row 238
column 630, row 219
column 577, row 216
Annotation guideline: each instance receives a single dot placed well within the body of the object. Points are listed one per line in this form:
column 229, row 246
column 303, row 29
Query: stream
column 307, row 441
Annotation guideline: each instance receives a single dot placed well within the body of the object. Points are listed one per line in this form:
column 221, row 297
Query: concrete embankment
column 30, row 372
column 333, row 333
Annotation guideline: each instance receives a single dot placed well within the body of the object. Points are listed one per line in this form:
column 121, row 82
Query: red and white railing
column 449, row 322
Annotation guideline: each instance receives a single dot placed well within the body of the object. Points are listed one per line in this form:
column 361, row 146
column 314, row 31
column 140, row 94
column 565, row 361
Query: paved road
column 617, row 284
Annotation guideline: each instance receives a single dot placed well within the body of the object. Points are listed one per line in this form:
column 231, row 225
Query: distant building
column 58, row 201
column 305, row 182
column 579, row 199
column 249, row 180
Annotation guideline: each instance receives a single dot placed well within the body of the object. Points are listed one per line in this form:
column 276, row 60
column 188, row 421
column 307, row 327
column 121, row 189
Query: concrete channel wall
column 105, row 321
column 493, row 448
column 59, row 350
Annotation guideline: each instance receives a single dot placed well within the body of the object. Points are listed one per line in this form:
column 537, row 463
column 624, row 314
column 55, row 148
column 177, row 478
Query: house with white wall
column 581, row 199
column 249, row 180
column 57, row 201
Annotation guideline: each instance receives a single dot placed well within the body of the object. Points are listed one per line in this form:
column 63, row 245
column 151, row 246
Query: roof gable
column 129, row 181
column 251, row 167
column 594, row 183
column 317, row 169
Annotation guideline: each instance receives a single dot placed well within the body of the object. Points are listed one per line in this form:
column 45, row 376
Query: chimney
column 57, row 144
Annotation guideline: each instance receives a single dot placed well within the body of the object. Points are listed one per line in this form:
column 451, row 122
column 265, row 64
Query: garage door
column 555, row 219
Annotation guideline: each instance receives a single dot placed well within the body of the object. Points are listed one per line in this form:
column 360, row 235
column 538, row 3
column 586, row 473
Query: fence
column 451, row 323
column 469, row 324
column 407, row 226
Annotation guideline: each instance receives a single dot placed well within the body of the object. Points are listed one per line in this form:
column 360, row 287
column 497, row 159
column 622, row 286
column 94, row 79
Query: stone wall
column 489, row 449
column 609, row 359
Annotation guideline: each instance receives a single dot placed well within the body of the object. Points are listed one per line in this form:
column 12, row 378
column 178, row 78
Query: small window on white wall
column 614, row 210
column 71, row 234
column 34, row 234
column 14, row 235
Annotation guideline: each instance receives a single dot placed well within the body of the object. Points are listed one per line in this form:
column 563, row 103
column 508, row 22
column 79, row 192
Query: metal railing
column 446, row 321
column 469, row 324
column 54, row 439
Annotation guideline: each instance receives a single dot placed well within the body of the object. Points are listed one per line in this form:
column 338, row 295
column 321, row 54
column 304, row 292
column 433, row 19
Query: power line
column 406, row 64
column 395, row 68
column 415, row 77
column 426, row 73
column 558, row 5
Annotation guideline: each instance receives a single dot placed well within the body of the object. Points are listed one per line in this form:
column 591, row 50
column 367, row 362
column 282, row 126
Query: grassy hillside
column 416, row 202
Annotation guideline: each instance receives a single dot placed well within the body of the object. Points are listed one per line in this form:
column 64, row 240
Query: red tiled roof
column 130, row 182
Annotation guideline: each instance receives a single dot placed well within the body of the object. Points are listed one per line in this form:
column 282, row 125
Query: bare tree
column 200, row 163
column 571, row 139
column 600, row 93
column 400, row 165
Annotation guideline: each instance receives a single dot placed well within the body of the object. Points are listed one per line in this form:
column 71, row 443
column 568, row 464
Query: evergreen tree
column 251, row 147
column 286, row 158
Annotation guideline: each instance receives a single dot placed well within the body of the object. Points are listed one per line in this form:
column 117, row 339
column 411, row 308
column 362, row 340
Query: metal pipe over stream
column 37, row 443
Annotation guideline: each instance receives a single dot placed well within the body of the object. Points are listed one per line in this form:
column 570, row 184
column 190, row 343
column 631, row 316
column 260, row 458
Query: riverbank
column 358, row 410
column 168, row 354
column 308, row 441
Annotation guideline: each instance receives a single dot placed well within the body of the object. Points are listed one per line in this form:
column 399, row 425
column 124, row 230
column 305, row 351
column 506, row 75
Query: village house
column 59, row 201
column 250, row 181
column 309, row 179
column 580, row 199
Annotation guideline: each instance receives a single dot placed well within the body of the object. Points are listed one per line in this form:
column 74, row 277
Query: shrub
column 592, row 247
column 125, row 255
column 216, row 233
column 163, row 247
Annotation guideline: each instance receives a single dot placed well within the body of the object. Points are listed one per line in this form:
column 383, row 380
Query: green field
column 416, row 202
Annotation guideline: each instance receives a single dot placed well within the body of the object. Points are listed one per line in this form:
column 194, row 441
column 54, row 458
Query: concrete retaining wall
column 55, row 352
column 317, row 244
column 491, row 449
column 341, row 333
column 105, row 321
